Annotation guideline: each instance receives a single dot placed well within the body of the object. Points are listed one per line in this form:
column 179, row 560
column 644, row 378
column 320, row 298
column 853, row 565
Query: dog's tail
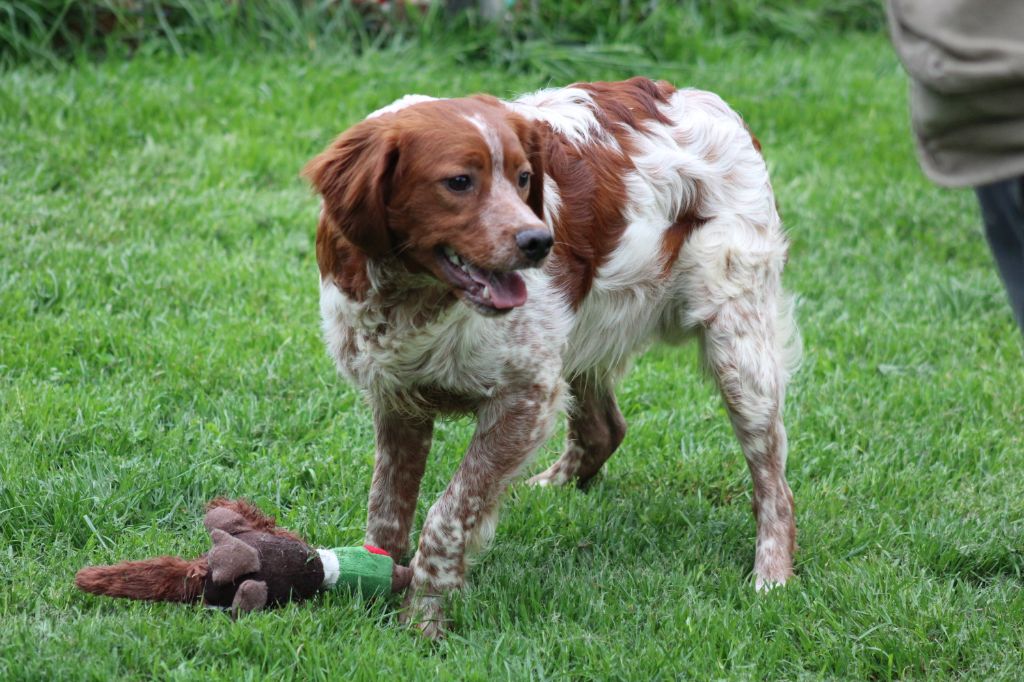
column 165, row 578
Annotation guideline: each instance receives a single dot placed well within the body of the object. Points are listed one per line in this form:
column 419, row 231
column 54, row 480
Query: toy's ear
column 353, row 175
column 227, row 520
column 230, row 558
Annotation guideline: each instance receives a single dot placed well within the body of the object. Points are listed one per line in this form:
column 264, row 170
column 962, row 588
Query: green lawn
column 159, row 345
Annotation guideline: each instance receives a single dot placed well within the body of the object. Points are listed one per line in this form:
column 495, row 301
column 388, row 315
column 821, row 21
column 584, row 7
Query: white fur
column 569, row 111
column 459, row 350
column 402, row 103
column 493, row 144
column 506, row 204
column 552, row 201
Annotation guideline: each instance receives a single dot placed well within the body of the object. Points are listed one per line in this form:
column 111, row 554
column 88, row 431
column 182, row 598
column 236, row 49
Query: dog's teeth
column 453, row 257
column 487, row 293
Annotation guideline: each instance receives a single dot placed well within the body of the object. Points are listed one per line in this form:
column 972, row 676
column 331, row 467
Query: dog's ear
column 535, row 137
column 353, row 175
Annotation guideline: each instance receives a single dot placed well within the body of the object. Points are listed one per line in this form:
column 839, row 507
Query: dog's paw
column 766, row 585
column 766, row 580
column 432, row 630
column 426, row 614
column 551, row 476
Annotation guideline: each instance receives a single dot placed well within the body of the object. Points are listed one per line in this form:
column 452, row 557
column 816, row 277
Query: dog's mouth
column 491, row 292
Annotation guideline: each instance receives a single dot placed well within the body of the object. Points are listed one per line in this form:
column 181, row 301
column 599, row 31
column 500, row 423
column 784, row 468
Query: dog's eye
column 460, row 183
column 524, row 179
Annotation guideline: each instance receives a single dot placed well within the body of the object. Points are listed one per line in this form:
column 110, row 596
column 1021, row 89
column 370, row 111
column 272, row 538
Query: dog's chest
column 398, row 353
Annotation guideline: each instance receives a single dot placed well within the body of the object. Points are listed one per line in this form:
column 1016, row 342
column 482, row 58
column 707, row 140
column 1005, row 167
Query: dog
column 508, row 259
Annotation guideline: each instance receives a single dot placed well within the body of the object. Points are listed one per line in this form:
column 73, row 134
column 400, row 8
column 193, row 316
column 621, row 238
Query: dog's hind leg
column 596, row 429
column 750, row 347
column 737, row 350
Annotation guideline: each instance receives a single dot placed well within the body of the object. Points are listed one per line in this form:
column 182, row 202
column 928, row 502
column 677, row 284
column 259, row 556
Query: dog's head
column 451, row 187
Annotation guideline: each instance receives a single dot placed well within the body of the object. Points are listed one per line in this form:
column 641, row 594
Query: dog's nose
column 534, row 244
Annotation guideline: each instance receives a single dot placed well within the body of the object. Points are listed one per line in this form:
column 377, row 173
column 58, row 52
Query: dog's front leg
column 510, row 429
column 403, row 444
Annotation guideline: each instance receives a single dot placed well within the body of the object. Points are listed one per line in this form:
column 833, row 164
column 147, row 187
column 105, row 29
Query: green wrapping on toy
column 363, row 570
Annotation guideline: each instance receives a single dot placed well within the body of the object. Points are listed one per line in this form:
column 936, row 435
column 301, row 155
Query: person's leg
column 1002, row 209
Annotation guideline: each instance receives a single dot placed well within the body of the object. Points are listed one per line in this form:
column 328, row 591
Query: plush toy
column 254, row 564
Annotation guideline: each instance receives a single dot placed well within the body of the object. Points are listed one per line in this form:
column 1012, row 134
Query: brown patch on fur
column 753, row 139
column 632, row 102
column 257, row 519
column 353, row 176
column 534, row 139
column 591, row 181
column 439, row 141
column 341, row 261
column 165, row 578
column 596, row 427
column 676, row 235
column 590, row 219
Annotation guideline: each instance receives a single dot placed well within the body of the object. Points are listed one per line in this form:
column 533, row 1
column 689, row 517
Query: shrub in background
column 530, row 34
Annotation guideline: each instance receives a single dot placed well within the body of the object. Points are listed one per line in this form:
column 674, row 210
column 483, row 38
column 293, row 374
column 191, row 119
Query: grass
column 159, row 346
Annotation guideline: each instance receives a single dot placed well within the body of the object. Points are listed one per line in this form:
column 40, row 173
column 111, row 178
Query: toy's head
column 252, row 566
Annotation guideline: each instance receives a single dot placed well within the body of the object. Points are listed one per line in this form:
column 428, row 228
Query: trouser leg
column 1002, row 208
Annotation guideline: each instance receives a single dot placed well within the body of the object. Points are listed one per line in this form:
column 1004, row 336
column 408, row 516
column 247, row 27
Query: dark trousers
column 1002, row 208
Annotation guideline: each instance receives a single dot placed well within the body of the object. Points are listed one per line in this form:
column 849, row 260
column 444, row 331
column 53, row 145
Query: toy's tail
column 164, row 578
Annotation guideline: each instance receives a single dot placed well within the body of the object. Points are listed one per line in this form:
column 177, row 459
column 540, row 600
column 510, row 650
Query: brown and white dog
column 506, row 259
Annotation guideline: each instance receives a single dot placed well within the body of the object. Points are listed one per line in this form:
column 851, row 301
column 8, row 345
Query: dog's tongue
column 508, row 290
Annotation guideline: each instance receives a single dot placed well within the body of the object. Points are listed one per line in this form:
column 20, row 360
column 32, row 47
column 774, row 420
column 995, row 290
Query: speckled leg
column 741, row 349
column 402, row 448
column 509, row 431
column 596, row 429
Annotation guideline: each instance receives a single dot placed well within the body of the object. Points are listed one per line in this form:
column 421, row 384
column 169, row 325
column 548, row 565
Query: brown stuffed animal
column 254, row 564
